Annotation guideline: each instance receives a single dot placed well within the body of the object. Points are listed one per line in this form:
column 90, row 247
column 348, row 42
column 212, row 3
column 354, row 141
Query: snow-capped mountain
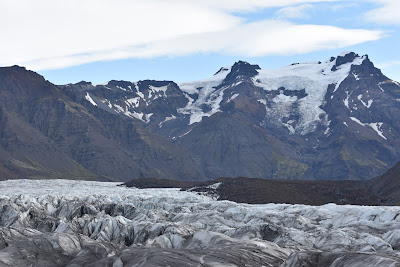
column 299, row 91
column 334, row 119
column 79, row 223
column 316, row 120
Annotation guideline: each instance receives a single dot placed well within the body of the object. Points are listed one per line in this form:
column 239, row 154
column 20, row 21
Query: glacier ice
column 71, row 223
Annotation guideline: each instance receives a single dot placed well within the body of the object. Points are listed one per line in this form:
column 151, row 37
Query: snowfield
column 77, row 223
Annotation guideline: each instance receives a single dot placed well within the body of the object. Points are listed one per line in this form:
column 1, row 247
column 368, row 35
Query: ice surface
column 207, row 95
column 314, row 78
column 185, row 225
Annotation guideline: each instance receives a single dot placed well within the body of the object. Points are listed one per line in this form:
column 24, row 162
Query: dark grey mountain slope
column 388, row 185
column 45, row 133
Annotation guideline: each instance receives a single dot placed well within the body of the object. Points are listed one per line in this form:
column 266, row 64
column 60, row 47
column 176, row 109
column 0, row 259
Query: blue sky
column 183, row 40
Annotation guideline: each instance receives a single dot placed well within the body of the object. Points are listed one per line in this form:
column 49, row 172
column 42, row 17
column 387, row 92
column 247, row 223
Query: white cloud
column 294, row 12
column 54, row 34
column 388, row 64
column 47, row 29
column 388, row 13
column 289, row 39
column 251, row 5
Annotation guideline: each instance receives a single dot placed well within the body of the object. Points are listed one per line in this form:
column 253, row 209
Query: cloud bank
column 387, row 13
column 44, row 35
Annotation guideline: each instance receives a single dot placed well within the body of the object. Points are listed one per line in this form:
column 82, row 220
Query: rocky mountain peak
column 19, row 81
column 18, row 70
column 243, row 68
column 344, row 58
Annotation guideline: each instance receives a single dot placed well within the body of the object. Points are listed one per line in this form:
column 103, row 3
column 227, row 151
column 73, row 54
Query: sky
column 68, row 41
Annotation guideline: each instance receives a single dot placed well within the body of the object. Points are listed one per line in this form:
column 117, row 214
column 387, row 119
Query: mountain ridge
column 63, row 136
column 310, row 120
column 317, row 105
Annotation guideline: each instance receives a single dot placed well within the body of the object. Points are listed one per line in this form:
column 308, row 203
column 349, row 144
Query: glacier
column 76, row 223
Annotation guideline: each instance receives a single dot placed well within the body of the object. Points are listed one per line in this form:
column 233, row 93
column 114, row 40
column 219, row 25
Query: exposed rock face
column 75, row 223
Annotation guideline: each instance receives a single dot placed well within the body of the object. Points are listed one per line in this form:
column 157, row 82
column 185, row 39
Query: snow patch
column 346, row 101
column 232, row 97
column 357, row 120
column 133, row 102
column 186, row 133
column 368, row 104
column 121, row 88
column 166, row 119
column 147, row 117
column 290, row 127
column 89, row 98
column 376, row 126
column 162, row 89
column 134, row 114
column 119, row 108
column 108, row 103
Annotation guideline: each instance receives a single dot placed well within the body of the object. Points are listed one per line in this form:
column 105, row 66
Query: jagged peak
column 243, row 64
column 243, row 68
column 343, row 58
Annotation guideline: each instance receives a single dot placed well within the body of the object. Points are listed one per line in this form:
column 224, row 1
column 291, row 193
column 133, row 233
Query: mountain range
column 333, row 119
